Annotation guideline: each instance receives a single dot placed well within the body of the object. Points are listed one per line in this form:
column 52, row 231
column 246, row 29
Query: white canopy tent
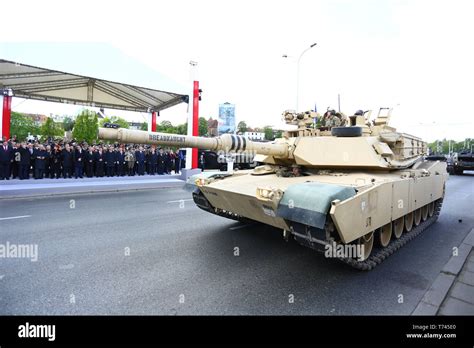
column 32, row 82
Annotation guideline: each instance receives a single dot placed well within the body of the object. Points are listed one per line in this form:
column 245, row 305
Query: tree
column 50, row 129
column 202, row 126
column 21, row 125
column 115, row 120
column 278, row 134
column 68, row 124
column 144, row 126
column 182, row 128
column 86, row 126
column 268, row 133
column 165, row 127
column 242, row 127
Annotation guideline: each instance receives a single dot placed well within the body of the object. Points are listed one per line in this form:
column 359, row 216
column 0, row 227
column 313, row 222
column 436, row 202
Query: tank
column 464, row 160
column 351, row 187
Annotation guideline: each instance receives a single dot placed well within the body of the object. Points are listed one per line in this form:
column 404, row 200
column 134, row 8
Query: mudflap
column 308, row 203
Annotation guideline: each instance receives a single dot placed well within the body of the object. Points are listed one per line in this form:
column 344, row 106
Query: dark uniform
column 152, row 163
column 56, row 163
column 78, row 159
column 48, row 168
column 99, row 162
column 89, row 163
column 40, row 163
column 66, row 159
column 16, row 162
column 110, row 162
column 140, row 159
column 120, row 163
column 6, row 158
column 25, row 158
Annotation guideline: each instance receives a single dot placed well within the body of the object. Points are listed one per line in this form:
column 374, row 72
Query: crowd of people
column 50, row 159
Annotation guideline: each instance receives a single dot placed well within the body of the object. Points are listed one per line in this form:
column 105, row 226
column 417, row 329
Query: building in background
column 135, row 125
column 226, row 118
column 38, row 119
column 212, row 126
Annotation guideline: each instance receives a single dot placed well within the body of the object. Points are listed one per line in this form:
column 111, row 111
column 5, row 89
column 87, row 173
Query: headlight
column 202, row 181
column 268, row 193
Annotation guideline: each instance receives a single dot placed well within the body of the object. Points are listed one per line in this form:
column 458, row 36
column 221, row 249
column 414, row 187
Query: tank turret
column 359, row 144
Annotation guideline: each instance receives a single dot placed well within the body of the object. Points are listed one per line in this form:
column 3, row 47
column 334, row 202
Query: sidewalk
column 452, row 292
column 47, row 187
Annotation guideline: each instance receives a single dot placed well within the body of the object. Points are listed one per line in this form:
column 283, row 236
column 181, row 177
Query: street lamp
column 298, row 74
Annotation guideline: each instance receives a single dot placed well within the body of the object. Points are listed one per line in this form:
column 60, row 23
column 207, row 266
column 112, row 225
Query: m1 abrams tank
column 358, row 186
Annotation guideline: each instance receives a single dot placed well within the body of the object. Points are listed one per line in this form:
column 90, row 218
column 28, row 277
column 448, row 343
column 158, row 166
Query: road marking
column 1, row 276
column 70, row 266
column 238, row 227
column 180, row 200
column 15, row 217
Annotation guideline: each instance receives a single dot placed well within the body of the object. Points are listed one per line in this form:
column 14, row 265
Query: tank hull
column 309, row 203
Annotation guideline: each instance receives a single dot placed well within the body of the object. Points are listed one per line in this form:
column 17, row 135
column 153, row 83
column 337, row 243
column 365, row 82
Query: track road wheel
column 385, row 234
column 398, row 227
column 409, row 222
column 424, row 212
column 366, row 242
column 431, row 209
column 417, row 216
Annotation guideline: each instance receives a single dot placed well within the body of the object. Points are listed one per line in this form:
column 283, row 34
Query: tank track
column 383, row 253
column 204, row 204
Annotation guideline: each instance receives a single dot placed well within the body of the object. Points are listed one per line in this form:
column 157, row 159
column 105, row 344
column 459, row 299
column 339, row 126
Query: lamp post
column 298, row 74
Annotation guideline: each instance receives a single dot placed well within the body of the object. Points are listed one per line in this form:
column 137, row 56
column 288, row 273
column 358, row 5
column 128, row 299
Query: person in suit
column 40, row 161
column 99, row 162
column 56, row 162
column 161, row 162
column 6, row 159
column 152, row 161
column 78, row 159
column 16, row 161
column 110, row 161
column 66, row 160
column 120, row 166
column 24, row 162
column 47, row 163
column 177, row 162
column 89, row 161
column 140, row 159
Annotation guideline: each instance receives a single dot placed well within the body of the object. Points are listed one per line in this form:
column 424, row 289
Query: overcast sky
column 415, row 56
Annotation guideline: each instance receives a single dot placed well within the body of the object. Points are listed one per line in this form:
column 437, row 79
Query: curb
column 92, row 191
column 436, row 294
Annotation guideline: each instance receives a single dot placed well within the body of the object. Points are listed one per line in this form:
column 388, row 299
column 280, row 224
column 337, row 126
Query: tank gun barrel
column 225, row 142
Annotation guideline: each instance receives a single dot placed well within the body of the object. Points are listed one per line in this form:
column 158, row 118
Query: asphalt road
column 181, row 260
